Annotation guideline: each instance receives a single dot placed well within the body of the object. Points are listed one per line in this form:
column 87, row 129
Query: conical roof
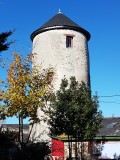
column 60, row 21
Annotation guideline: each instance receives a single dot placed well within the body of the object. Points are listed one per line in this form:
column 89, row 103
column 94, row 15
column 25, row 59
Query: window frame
column 69, row 41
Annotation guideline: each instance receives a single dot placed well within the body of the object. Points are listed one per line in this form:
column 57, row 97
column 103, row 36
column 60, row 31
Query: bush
column 10, row 150
column 34, row 151
column 8, row 147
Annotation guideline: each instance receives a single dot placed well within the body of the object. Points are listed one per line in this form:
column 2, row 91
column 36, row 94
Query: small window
column 69, row 41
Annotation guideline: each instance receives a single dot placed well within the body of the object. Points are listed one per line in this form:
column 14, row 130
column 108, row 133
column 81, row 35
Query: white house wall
column 110, row 149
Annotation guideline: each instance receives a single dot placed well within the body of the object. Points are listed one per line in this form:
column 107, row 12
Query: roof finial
column 59, row 11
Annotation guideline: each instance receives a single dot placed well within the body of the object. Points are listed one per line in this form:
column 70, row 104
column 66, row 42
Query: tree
column 27, row 90
column 9, row 149
column 34, row 151
column 73, row 111
column 4, row 45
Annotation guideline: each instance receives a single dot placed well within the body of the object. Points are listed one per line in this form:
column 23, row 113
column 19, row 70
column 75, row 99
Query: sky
column 100, row 17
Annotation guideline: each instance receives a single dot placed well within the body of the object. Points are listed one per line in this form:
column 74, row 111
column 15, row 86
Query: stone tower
column 62, row 44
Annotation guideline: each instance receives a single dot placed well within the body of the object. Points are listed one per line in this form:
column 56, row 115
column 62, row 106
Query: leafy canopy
column 4, row 45
column 73, row 111
column 27, row 88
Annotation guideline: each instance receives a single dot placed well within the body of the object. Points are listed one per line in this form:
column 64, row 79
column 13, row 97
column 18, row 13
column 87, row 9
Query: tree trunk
column 21, row 130
column 20, row 138
column 76, row 149
column 30, row 133
column 81, row 155
column 70, row 149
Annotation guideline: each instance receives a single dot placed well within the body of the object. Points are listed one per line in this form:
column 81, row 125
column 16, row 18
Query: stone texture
column 50, row 50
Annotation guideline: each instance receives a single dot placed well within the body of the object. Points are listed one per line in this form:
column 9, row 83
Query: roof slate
column 60, row 21
column 111, row 127
column 15, row 126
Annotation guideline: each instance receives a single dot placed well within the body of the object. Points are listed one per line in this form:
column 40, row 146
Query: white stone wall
column 50, row 47
column 50, row 50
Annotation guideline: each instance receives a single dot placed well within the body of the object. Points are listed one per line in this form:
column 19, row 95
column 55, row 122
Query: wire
column 110, row 96
column 109, row 102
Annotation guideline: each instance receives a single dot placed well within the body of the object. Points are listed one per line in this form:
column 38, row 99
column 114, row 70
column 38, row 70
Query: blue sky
column 100, row 17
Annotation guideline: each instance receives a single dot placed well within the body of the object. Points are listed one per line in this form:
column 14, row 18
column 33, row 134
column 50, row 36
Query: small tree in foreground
column 74, row 112
column 28, row 88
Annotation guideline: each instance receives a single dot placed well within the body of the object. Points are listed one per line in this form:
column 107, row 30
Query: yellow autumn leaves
column 27, row 87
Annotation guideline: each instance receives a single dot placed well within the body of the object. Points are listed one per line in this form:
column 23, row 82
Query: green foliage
column 7, row 138
column 36, row 151
column 27, row 89
column 8, row 147
column 74, row 111
column 4, row 45
column 10, row 150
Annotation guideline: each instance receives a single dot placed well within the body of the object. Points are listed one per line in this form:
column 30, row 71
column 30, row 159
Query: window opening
column 69, row 41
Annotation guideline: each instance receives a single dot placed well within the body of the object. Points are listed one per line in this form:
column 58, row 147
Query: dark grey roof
column 15, row 126
column 60, row 21
column 111, row 127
